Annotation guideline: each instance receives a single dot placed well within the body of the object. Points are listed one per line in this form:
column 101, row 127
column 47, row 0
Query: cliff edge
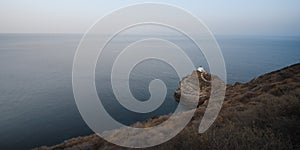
column 260, row 114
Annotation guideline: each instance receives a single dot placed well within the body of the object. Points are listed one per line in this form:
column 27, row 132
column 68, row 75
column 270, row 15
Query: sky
column 255, row 17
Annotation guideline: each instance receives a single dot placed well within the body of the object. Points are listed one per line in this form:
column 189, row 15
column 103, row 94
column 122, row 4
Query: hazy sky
column 266, row 17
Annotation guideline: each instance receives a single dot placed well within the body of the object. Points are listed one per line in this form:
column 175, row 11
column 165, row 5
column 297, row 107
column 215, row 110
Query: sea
column 37, row 105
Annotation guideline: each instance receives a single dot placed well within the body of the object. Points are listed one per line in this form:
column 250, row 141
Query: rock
column 195, row 89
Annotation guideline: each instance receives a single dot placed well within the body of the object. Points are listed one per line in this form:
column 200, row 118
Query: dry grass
column 261, row 114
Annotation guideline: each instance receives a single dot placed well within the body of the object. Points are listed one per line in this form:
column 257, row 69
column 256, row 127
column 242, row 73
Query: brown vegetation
column 261, row 114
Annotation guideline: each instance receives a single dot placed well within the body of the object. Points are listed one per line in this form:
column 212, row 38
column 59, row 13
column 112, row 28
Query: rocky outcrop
column 260, row 114
column 195, row 89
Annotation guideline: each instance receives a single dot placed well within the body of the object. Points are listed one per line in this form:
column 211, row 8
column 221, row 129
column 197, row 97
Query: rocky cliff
column 260, row 114
column 195, row 89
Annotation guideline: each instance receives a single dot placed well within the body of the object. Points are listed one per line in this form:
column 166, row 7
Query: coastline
column 261, row 113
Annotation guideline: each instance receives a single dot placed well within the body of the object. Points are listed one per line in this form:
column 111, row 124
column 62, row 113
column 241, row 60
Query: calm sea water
column 36, row 100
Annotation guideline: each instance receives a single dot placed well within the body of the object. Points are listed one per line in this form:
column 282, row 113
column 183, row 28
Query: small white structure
column 201, row 69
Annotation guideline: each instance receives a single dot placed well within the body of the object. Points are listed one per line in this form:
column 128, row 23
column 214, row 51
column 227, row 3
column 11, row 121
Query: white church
column 201, row 69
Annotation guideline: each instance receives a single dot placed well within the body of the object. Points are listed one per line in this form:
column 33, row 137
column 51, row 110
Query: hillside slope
column 260, row 114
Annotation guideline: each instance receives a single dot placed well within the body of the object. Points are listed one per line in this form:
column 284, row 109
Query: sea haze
column 37, row 106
